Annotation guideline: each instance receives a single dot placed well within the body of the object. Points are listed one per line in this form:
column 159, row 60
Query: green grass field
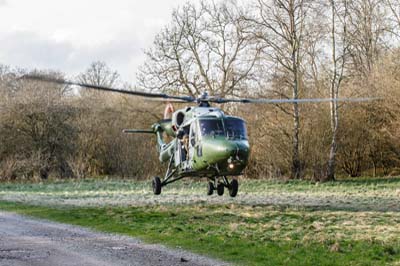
column 353, row 222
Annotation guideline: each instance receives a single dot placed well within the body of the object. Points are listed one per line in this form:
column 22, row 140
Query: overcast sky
column 67, row 35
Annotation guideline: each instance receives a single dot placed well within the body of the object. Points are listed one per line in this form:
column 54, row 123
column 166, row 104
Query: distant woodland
column 285, row 49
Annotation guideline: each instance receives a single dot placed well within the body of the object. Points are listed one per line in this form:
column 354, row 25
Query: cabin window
column 235, row 128
column 211, row 127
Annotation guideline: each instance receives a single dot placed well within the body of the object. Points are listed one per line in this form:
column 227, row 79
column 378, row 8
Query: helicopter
column 206, row 142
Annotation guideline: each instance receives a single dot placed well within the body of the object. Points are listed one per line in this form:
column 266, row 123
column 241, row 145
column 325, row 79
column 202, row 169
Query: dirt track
column 26, row 241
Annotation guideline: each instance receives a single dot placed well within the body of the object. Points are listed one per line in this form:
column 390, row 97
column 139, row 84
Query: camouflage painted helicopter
column 206, row 142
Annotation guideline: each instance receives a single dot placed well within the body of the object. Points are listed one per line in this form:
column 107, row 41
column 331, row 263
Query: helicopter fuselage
column 206, row 143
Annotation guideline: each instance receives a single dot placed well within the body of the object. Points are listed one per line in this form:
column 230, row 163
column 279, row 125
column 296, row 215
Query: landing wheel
column 233, row 188
column 156, row 185
column 210, row 188
column 220, row 189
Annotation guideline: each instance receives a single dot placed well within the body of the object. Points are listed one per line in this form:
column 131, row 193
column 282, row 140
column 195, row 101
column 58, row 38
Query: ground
column 349, row 222
column 33, row 242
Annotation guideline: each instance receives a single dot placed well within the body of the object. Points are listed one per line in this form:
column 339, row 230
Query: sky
column 67, row 35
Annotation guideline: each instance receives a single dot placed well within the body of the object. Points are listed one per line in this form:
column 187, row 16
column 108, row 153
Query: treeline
column 266, row 48
column 59, row 131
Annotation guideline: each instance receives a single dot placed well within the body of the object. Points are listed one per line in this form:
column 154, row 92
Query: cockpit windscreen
column 235, row 128
column 232, row 128
column 211, row 127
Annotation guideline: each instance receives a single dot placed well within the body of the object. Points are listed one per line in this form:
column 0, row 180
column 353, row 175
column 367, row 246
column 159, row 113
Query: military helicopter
column 207, row 143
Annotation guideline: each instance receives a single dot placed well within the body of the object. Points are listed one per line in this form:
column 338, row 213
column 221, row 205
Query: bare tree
column 367, row 27
column 282, row 25
column 98, row 73
column 206, row 47
column 394, row 6
column 339, row 46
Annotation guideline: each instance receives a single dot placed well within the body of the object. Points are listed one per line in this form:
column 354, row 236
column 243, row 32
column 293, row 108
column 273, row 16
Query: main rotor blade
column 140, row 131
column 280, row 101
column 167, row 100
column 104, row 88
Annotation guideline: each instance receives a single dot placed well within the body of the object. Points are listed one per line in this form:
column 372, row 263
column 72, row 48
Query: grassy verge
column 357, row 195
column 245, row 235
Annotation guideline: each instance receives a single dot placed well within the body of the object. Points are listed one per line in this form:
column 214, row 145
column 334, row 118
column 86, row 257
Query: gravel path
column 34, row 242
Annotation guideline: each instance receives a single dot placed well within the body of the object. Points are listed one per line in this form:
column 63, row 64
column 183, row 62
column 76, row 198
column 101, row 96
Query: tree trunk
column 295, row 44
column 296, row 165
column 334, row 94
column 330, row 173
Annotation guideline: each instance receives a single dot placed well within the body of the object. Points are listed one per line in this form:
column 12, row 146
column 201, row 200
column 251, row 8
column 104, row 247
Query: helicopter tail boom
column 163, row 148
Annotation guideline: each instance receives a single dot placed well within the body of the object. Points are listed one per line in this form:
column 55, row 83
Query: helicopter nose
column 227, row 149
column 216, row 151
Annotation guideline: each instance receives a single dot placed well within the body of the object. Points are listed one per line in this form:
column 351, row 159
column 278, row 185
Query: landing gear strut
column 169, row 178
